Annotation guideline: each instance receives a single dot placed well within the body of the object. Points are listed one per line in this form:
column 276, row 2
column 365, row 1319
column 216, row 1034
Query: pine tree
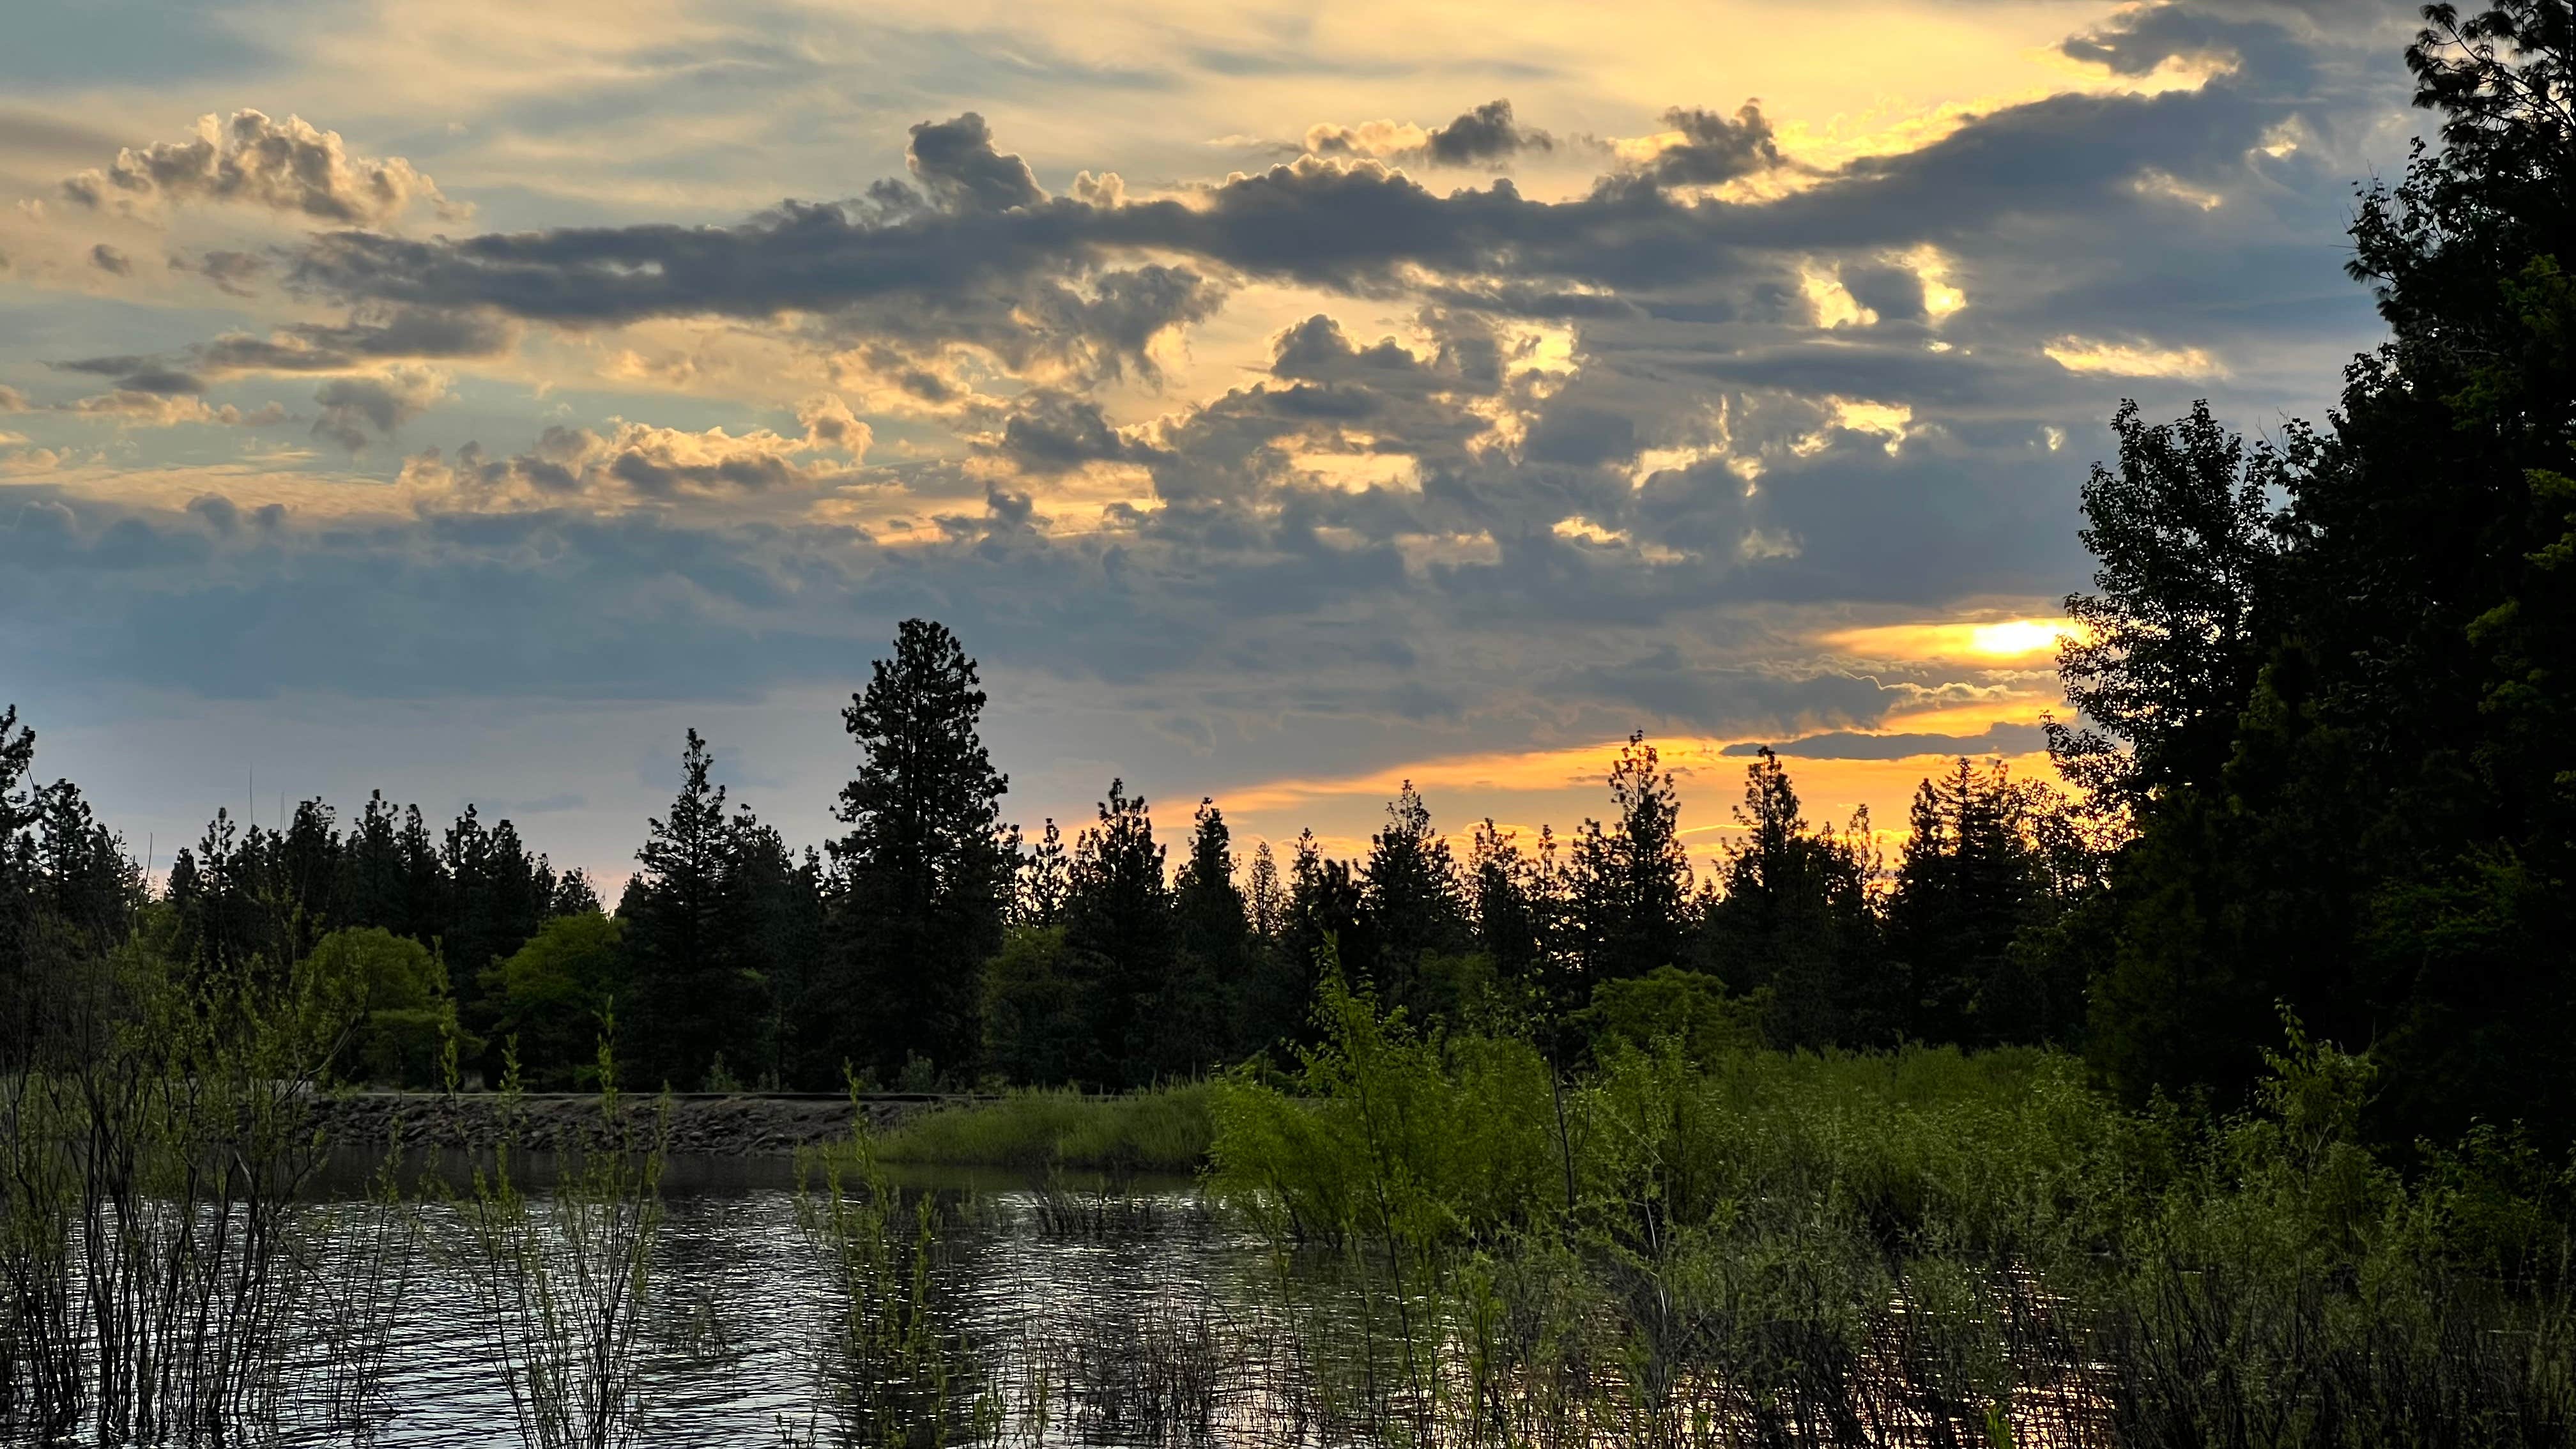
column 1970, row 881
column 1045, row 879
column 1203, row 1004
column 924, row 878
column 1265, row 898
column 1410, row 900
column 1630, row 886
column 1327, row 919
column 686, row 998
column 1119, row 920
column 1504, row 896
column 1794, row 916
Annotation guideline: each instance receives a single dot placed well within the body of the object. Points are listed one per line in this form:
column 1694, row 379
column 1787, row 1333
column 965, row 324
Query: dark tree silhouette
column 924, row 877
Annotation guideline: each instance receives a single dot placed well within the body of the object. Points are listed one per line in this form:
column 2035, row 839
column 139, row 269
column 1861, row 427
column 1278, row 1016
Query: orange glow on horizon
column 1997, row 643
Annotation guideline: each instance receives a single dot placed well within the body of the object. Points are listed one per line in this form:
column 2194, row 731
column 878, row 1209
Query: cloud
column 828, row 423
column 1999, row 739
column 957, row 162
column 637, row 463
column 1704, row 148
column 144, row 396
column 357, row 410
column 1482, row 136
column 162, row 410
column 111, row 261
column 311, row 347
column 230, row 272
column 381, row 335
column 286, row 166
column 2130, row 359
column 1511, row 466
column 1050, row 432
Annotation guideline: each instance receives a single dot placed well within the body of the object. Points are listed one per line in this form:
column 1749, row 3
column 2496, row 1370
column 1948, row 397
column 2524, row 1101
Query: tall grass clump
column 1163, row 1130
column 899, row 1369
column 560, row 1287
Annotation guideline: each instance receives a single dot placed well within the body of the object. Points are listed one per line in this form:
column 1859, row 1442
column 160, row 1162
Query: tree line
column 2322, row 762
column 932, row 944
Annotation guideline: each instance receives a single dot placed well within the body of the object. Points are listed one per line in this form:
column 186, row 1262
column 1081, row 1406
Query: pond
column 1067, row 1307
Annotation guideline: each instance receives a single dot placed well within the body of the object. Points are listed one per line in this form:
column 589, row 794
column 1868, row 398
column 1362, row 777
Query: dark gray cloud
column 360, row 410
column 1353, row 225
column 956, row 161
column 1487, row 133
column 1714, row 148
column 230, row 272
column 139, row 374
column 111, row 261
column 1051, row 432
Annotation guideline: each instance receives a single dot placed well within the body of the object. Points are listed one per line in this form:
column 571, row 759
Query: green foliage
column 1830, row 1244
column 555, row 994
column 2333, row 685
column 1166, row 1130
column 398, row 997
column 561, row 1286
column 1392, row 1135
column 899, row 1365
column 1689, row 1007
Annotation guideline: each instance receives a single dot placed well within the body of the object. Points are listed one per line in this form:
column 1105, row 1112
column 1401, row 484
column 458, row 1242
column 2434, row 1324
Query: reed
column 561, row 1287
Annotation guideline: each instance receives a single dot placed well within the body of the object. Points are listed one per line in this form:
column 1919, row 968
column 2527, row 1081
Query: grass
column 1167, row 1130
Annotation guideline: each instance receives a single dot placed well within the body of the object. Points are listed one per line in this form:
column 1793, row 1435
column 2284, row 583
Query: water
column 742, row 1336
column 1104, row 1315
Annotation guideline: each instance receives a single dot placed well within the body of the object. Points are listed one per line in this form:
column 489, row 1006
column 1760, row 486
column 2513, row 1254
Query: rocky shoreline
column 700, row 1123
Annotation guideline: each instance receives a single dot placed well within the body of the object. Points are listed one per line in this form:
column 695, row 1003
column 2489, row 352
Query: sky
column 1282, row 401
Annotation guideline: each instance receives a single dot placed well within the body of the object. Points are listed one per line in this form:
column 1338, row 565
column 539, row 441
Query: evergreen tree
column 1045, row 879
column 1970, row 881
column 1629, row 887
column 1265, row 897
column 689, row 1000
column 1410, row 900
column 925, row 880
column 309, row 872
column 1505, row 895
column 1326, row 916
column 1794, row 917
column 1203, row 1005
column 780, row 932
column 372, row 867
column 88, row 885
column 422, row 885
column 1119, row 920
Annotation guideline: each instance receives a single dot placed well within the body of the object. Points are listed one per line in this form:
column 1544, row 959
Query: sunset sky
column 465, row 398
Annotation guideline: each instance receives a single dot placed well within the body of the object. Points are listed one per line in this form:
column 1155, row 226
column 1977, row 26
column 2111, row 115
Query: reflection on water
column 741, row 1341
column 1128, row 1314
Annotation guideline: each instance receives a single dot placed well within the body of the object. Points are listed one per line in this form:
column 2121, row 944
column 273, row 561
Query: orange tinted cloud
column 1996, row 643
